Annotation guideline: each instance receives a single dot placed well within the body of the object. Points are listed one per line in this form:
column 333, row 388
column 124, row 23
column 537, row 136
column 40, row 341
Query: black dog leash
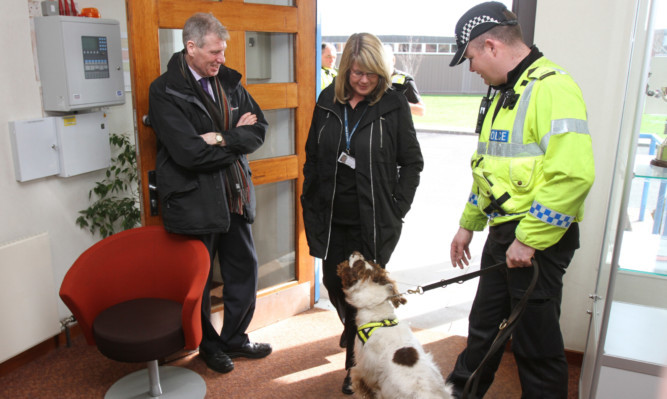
column 460, row 279
column 504, row 331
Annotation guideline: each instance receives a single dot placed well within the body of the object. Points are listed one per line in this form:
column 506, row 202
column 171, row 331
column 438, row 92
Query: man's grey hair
column 200, row 25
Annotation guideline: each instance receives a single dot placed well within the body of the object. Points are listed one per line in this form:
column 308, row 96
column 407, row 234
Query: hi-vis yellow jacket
column 327, row 76
column 534, row 160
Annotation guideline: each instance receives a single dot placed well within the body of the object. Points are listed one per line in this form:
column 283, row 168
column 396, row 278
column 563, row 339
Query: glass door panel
column 171, row 41
column 279, row 139
column 269, row 57
column 274, row 232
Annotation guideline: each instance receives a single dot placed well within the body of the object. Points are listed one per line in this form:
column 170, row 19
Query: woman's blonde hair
column 366, row 50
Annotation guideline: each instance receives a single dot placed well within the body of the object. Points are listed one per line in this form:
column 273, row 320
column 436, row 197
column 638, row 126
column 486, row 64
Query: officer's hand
column 519, row 255
column 460, row 250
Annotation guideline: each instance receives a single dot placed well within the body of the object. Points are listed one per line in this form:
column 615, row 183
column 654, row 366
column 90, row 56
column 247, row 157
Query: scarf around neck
column 236, row 182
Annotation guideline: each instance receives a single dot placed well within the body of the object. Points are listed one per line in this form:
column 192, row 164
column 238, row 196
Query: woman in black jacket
column 362, row 170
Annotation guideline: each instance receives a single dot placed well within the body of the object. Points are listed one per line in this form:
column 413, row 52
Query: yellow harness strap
column 364, row 332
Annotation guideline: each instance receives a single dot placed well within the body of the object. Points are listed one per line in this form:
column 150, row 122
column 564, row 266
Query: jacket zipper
column 370, row 167
column 333, row 194
column 319, row 135
column 381, row 134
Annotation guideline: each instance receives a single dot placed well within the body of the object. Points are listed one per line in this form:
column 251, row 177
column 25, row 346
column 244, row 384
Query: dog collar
column 364, row 332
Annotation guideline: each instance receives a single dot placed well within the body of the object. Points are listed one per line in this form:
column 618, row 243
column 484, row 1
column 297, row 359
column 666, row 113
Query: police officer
column 405, row 83
column 328, row 71
column 531, row 173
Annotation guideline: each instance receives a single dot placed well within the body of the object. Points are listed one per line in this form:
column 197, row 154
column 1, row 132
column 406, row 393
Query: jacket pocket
column 183, row 191
column 522, row 174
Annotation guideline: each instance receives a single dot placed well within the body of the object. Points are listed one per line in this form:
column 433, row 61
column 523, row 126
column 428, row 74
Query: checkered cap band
column 464, row 36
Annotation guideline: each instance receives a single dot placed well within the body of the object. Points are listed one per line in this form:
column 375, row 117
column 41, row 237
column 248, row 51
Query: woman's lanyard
column 348, row 134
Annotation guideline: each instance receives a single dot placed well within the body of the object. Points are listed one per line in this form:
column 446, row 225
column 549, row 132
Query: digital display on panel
column 95, row 57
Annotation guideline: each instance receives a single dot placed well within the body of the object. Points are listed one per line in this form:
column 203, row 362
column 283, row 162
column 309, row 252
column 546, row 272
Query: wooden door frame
column 145, row 17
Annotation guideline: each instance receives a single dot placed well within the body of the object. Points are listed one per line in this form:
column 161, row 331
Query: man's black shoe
column 218, row 361
column 347, row 384
column 252, row 350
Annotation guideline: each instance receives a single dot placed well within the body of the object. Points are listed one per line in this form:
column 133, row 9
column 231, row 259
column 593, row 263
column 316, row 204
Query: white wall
column 49, row 204
column 591, row 40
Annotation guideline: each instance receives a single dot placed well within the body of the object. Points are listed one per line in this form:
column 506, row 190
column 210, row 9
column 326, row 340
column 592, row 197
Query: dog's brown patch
column 407, row 356
column 358, row 271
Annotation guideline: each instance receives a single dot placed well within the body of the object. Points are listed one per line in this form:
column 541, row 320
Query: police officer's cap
column 476, row 21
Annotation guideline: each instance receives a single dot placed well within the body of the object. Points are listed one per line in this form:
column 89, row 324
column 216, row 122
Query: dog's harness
column 364, row 332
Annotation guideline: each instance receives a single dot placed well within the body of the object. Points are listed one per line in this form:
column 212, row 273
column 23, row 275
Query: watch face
column 218, row 138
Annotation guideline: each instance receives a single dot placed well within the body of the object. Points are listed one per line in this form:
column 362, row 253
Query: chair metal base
column 176, row 383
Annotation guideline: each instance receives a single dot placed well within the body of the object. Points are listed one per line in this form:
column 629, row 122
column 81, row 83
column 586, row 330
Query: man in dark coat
column 205, row 122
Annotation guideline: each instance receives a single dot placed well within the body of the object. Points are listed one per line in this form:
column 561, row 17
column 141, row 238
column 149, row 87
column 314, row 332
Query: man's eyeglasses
column 359, row 74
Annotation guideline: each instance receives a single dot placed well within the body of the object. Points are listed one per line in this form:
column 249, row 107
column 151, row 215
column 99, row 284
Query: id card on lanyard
column 345, row 157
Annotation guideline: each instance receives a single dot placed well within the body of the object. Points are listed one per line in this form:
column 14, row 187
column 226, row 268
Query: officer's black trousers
column 537, row 342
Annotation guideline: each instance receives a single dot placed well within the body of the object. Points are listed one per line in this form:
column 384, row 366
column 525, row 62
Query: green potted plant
column 117, row 205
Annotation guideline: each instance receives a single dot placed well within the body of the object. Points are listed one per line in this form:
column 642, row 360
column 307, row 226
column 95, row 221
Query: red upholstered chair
column 137, row 296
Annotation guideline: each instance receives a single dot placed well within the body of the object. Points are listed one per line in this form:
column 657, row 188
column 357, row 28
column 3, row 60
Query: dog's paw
column 362, row 390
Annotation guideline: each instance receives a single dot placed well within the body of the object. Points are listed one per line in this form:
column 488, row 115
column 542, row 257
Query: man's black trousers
column 238, row 268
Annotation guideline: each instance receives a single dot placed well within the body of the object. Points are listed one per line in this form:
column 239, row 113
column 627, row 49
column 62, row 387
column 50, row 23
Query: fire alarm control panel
column 80, row 62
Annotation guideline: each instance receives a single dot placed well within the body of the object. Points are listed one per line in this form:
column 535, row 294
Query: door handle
column 152, row 193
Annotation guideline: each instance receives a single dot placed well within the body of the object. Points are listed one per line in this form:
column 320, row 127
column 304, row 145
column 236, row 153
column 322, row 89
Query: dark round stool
column 145, row 330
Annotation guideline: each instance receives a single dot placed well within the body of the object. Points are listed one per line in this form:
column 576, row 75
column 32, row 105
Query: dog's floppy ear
column 345, row 273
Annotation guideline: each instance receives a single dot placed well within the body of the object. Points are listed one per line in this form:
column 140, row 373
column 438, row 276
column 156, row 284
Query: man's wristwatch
column 218, row 138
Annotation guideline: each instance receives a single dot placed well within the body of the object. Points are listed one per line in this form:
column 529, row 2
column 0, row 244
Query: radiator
column 28, row 298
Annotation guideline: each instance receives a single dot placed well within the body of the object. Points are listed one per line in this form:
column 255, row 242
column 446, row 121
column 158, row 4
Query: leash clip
column 419, row 290
column 503, row 324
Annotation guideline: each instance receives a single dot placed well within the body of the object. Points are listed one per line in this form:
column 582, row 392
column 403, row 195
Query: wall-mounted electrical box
column 61, row 145
column 83, row 143
column 35, row 148
column 80, row 62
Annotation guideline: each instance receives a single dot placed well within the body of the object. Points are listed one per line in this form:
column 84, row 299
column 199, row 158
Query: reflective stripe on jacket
column 534, row 160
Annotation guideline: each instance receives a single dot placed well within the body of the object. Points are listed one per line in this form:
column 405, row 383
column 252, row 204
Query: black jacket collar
column 514, row 74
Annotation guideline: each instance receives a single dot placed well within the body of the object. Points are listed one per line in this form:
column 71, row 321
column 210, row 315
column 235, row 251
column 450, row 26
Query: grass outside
column 654, row 123
column 459, row 113
column 445, row 112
